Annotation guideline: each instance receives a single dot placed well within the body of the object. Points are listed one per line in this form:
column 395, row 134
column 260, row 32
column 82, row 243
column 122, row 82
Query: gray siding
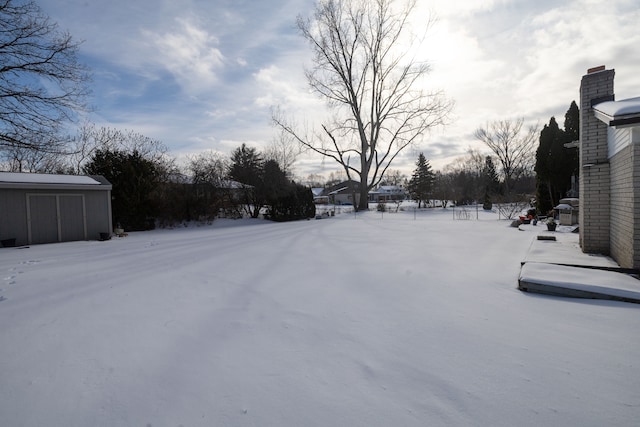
column 13, row 216
column 42, row 218
column 72, row 217
column 34, row 216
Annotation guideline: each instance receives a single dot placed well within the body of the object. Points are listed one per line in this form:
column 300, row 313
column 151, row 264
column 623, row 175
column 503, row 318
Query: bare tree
column 284, row 150
column 42, row 83
column 91, row 138
column 394, row 177
column 18, row 158
column 88, row 140
column 365, row 71
column 513, row 146
column 212, row 189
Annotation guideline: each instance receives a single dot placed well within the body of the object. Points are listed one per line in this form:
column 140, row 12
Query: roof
column 342, row 186
column 58, row 181
column 619, row 113
column 388, row 189
column 339, row 190
column 45, row 178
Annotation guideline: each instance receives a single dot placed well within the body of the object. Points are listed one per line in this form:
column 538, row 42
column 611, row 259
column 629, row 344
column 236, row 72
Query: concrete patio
column 555, row 265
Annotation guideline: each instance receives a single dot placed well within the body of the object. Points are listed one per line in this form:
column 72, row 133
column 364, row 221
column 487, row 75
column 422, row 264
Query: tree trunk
column 363, row 204
column 550, row 195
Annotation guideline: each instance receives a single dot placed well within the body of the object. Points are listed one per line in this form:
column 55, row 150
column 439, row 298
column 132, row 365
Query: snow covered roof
column 619, row 113
column 45, row 178
column 564, row 206
column 22, row 180
column 388, row 189
column 339, row 190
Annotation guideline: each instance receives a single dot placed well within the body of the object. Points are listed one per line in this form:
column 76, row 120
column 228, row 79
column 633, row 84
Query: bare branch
column 513, row 147
column 42, row 84
column 373, row 87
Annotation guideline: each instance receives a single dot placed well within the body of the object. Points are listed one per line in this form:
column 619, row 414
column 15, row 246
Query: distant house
column 342, row 193
column 44, row 208
column 609, row 170
column 318, row 197
column 387, row 193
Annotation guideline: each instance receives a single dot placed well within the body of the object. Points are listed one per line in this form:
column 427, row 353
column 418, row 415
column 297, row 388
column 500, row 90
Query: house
column 609, row 170
column 342, row 193
column 318, row 196
column 46, row 208
column 387, row 193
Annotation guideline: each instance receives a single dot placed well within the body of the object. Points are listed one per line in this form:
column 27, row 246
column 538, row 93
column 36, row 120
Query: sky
column 204, row 75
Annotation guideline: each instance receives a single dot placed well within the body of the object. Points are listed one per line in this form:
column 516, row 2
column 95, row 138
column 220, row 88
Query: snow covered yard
column 374, row 320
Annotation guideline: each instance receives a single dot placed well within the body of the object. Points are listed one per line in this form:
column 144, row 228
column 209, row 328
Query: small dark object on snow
column 8, row 243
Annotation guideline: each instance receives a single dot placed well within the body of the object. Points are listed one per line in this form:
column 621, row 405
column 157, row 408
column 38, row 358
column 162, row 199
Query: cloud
column 189, row 53
column 203, row 75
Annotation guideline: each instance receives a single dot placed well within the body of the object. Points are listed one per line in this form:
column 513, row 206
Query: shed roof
column 625, row 112
column 44, row 180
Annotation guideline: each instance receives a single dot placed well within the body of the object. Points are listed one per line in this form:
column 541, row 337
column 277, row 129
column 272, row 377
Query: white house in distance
column 387, row 193
column 343, row 193
column 609, row 170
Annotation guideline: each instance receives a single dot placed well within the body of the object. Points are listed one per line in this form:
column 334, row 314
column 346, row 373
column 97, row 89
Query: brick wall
column 623, row 207
column 594, row 165
column 635, row 146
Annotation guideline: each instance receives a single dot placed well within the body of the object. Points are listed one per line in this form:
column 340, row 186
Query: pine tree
column 134, row 179
column 554, row 166
column 421, row 182
column 246, row 168
column 491, row 179
column 572, row 134
column 491, row 183
column 572, row 123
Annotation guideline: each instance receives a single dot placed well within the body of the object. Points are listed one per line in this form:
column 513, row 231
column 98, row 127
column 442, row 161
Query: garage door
column 56, row 218
column 71, row 218
column 43, row 220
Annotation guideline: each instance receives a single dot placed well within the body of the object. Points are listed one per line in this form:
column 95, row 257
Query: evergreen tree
column 572, row 123
column 246, row 168
column 421, row 182
column 490, row 175
column 266, row 184
column 556, row 164
column 134, row 179
column 572, row 134
column 491, row 183
column 552, row 167
column 274, row 182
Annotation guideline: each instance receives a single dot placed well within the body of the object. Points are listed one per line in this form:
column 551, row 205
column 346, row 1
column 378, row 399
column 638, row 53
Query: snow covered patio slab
column 559, row 267
column 565, row 249
column 578, row 282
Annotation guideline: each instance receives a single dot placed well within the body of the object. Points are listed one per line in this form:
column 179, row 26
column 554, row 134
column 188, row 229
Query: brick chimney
column 594, row 217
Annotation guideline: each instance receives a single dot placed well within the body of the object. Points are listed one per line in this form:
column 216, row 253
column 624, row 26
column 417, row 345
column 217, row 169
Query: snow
column 582, row 279
column 403, row 319
column 619, row 108
column 564, row 206
column 41, row 178
column 565, row 249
